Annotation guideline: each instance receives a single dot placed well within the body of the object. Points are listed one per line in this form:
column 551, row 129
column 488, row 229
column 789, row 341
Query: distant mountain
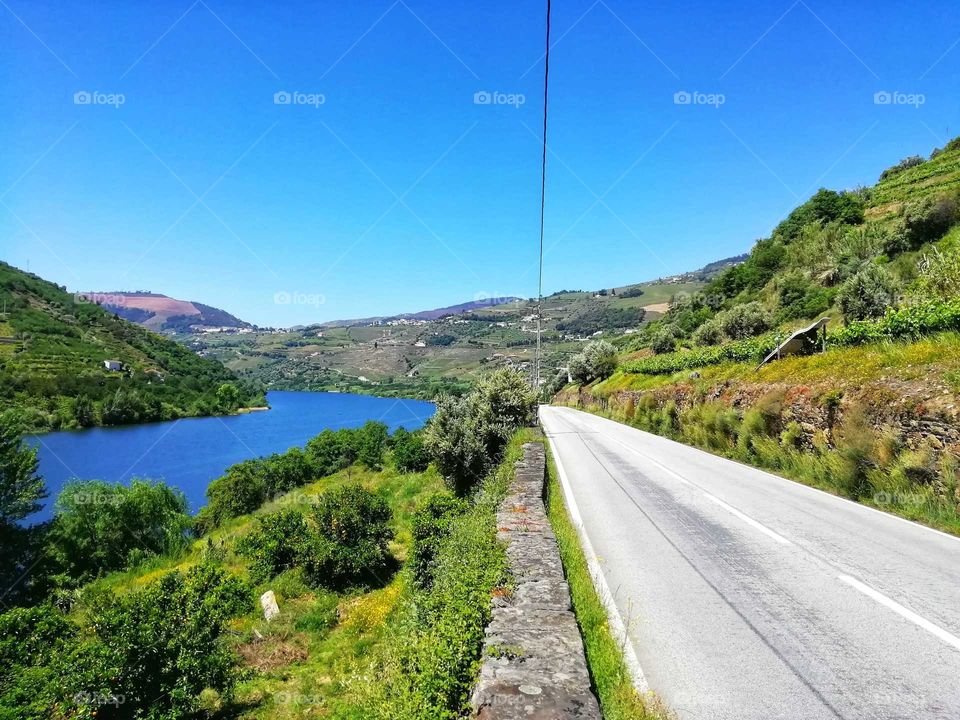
column 161, row 312
column 435, row 314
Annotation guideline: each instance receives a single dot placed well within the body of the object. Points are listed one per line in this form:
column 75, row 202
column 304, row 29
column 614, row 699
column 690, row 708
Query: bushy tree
column 597, row 361
column 867, row 294
column 279, row 541
column 150, row 653
column 21, row 488
column 372, row 443
column 409, row 453
column 332, row 450
column 353, row 532
column 904, row 164
column 100, row 526
column 430, row 525
column 466, row 436
column 939, row 275
column 744, row 321
column 930, row 218
column 710, row 333
column 663, row 341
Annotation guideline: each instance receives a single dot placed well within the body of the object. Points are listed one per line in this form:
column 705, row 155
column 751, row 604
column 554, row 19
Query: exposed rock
column 268, row 601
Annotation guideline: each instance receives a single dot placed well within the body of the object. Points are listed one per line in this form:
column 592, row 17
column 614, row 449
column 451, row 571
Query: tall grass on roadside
column 852, row 458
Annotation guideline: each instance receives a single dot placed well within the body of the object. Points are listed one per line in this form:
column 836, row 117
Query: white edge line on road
column 917, row 620
column 747, row 519
column 729, row 508
column 617, row 626
column 847, row 501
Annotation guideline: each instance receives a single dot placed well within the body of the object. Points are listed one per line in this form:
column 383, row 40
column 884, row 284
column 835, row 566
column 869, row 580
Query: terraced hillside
column 53, row 349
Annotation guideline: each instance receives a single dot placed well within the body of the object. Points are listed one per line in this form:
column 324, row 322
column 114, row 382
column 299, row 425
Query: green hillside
column 52, row 351
column 853, row 256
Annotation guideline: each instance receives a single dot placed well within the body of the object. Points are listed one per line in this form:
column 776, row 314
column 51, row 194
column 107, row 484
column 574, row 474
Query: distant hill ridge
column 162, row 312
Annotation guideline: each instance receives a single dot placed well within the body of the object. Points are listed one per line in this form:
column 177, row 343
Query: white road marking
column 747, row 519
column 618, row 627
column 917, row 620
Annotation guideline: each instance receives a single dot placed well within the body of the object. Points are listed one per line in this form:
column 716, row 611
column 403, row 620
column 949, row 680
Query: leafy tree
column 228, row 396
column 409, row 452
column 710, row 333
column 904, row 164
column 353, row 528
column 21, row 489
column 430, row 526
column 332, row 450
column 241, row 490
column 663, row 341
column 867, row 294
column 824, row 207
column 372, row 444
column 101, row 526
column 279, row 542
column 744, row 321
column 597, row 362
column 929, row 219
column 456, row 440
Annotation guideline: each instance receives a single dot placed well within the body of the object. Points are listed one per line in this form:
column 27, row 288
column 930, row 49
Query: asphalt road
column 745, row 595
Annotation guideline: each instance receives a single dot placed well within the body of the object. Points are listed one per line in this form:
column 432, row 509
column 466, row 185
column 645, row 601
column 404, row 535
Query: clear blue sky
column 400, row 193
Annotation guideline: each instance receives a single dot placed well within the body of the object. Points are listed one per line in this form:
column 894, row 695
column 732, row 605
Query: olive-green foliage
column 745, row 321
column 430, row 658
column 249, row 484
column 466, row 436
column 663, row 341
column 867, row 294
column 824, row 207
column 597, row 361
column 344, row 543
column 353, row 526
column 280, row 541
column 21, row 489
column 100, row 526
column 409, row 453
column 904, row 164
column 372, row 444
column 430, row 526
column 150, row 655
column 929, row 219
column 710, row 333
column 799, row 297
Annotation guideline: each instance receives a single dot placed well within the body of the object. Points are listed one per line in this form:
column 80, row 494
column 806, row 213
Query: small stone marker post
column 268, row 601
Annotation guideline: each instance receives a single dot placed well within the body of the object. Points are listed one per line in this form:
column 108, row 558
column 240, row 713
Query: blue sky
column 399, row 192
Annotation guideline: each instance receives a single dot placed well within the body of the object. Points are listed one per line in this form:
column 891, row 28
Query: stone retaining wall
column 534, row 664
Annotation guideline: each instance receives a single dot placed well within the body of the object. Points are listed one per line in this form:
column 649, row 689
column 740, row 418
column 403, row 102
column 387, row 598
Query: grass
column 619, row 699
column 852, row 460
column 306, row 661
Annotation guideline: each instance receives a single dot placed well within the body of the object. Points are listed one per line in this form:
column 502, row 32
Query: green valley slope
column 53, row 348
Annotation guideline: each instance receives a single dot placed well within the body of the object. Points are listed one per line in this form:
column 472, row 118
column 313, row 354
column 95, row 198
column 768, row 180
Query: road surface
column 749, row 596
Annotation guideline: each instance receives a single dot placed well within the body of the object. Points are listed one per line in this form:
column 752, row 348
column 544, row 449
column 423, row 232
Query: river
column 191, row 452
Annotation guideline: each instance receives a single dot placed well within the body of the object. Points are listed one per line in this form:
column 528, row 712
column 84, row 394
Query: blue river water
column 191, row 452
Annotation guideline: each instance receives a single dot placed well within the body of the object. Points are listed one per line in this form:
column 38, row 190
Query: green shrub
column 409, row 453
column 430, row 526
column 98, row 525
column 332, row 450
column 710, row 333
column 929, row 218
column 904, row 164
column 280, row 541
column 150, row 653
column 663, row 341
column 867, row 294
column 372, row 443
column 597, row 361
column 745, row 321
column 353, row 532
column 466, row 436
column 240, row 491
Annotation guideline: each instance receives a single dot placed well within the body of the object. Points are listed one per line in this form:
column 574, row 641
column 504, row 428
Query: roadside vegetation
column 383, row 568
